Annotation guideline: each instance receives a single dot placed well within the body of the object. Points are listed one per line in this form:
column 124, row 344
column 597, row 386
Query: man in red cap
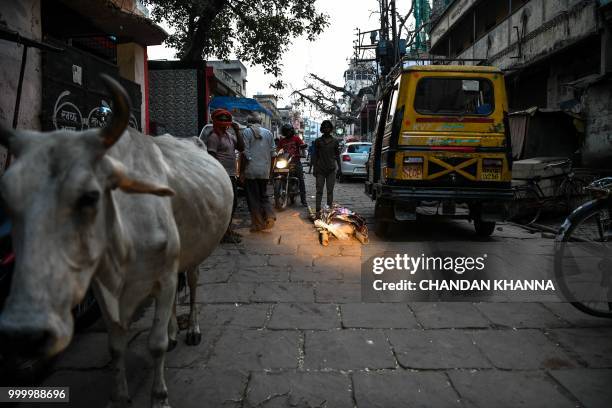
column 222, row 145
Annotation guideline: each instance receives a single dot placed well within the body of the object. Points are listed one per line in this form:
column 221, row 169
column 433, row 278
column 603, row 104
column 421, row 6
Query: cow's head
column 58, row 194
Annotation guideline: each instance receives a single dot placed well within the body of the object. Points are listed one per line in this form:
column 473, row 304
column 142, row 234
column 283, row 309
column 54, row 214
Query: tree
column 258, row 31
column 323, row 94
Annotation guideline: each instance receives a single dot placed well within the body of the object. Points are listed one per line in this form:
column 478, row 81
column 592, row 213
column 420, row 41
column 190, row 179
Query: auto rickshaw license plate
column 281, row 171
column 491, row 174
column 413, row 171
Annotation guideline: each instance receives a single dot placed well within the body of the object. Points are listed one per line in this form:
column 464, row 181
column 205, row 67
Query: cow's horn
column 121, row 112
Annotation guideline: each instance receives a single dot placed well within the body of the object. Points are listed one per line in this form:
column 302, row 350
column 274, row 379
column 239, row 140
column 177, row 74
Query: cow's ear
column 128, row 182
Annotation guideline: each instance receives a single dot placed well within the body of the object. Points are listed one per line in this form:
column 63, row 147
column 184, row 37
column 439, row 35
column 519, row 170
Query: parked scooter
column 285, row 182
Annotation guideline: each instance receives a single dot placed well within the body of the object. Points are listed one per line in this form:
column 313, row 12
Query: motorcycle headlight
column 281, row 164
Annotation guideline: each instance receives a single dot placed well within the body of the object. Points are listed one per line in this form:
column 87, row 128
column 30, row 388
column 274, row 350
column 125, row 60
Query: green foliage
column 257, row 31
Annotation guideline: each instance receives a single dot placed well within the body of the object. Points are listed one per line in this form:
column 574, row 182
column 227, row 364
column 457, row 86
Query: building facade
column 556, row 55
column 273, row 123
column 80, row 40
column 359, row 79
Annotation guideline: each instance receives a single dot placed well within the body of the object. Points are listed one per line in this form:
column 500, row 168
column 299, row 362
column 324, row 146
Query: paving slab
column 92, row 345
column 444, row 315
column 299, row 389
column 378, row 316
column 305, row 316
column 401, row 388
column 311, row 274
column 217, row 273
column 294, row 261
column 347, row 349
column 491, row 388
column 436, row 349
column 273, row 249
column 236, row 315
column 240, row 292
column 593, row 346
column 316, row 249
column 183, row 355
column 255, row 350
column 521, row 349
column 249, row 259
column 260, row 274
column 591, row 387
column 207, row 389
column 338, row 262
column 327, row 292
column 284, row 292
column 520, row 315
column 575, row 317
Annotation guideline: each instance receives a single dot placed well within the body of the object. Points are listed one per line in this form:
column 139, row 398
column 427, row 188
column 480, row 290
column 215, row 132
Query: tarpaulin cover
column 232, row 104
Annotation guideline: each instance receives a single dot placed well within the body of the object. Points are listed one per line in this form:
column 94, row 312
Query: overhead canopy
column 233, row 104
column 107, row 17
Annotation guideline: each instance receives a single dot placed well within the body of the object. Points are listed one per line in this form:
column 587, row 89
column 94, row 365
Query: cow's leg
column 172, row 329
column 117, row 340
column 158, row 339
column 194, row 336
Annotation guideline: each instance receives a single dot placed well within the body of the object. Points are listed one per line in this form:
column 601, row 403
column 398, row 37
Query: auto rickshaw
column 442, row 146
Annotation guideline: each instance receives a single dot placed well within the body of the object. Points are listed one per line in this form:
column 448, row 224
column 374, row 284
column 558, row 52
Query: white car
column 353, row 159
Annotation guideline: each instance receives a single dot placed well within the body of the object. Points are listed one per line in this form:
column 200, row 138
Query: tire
column 383, row 212
column 87, row 312
column 484, row 228
column 527, row 205
column 584, row 224
column 341, row 178
column 280, row 195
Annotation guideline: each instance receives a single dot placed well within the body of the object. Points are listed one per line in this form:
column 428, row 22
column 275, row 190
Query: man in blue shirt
column 258, row 152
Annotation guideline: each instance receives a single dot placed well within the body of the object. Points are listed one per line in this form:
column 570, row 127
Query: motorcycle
column 285, row 182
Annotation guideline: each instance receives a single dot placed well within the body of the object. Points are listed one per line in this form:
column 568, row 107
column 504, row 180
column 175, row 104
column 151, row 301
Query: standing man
column 326, row 158
column 222, row 145
column 258, row 151
column 293, row 145
column 310, row 155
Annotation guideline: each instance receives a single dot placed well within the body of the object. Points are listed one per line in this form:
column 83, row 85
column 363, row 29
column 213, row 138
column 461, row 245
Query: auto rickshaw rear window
column 454, row 96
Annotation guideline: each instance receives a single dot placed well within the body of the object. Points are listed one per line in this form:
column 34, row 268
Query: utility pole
column 394, row 33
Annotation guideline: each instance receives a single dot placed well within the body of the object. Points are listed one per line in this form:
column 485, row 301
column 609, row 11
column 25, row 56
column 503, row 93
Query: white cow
column 93, row 206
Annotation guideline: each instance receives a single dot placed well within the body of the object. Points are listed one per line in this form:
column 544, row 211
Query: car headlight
column 281, row 164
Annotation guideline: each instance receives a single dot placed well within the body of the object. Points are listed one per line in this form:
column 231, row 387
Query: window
column 393, row 106
column 454, row 96
column 358, row 148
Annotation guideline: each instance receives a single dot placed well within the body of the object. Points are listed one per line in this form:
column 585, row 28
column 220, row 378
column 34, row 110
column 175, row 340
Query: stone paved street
column 284, row 326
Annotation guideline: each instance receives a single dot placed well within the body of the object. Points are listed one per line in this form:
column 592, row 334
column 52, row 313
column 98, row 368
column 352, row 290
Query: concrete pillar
column 131, row 60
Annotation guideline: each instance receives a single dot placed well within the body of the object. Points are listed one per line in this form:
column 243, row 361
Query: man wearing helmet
column 222, row 145
column 292, row 144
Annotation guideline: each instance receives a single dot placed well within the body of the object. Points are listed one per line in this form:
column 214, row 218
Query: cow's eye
column 89, row 199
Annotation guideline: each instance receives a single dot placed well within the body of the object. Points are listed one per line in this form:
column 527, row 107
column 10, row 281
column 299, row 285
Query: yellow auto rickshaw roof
column 453, row 68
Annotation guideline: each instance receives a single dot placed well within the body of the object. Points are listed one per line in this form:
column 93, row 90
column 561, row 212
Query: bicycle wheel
column 527, row 205
column 583, row 259
column 573, row 193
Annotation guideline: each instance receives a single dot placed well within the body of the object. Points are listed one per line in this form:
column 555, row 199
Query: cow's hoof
column 193, row 338
column 171, row 344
